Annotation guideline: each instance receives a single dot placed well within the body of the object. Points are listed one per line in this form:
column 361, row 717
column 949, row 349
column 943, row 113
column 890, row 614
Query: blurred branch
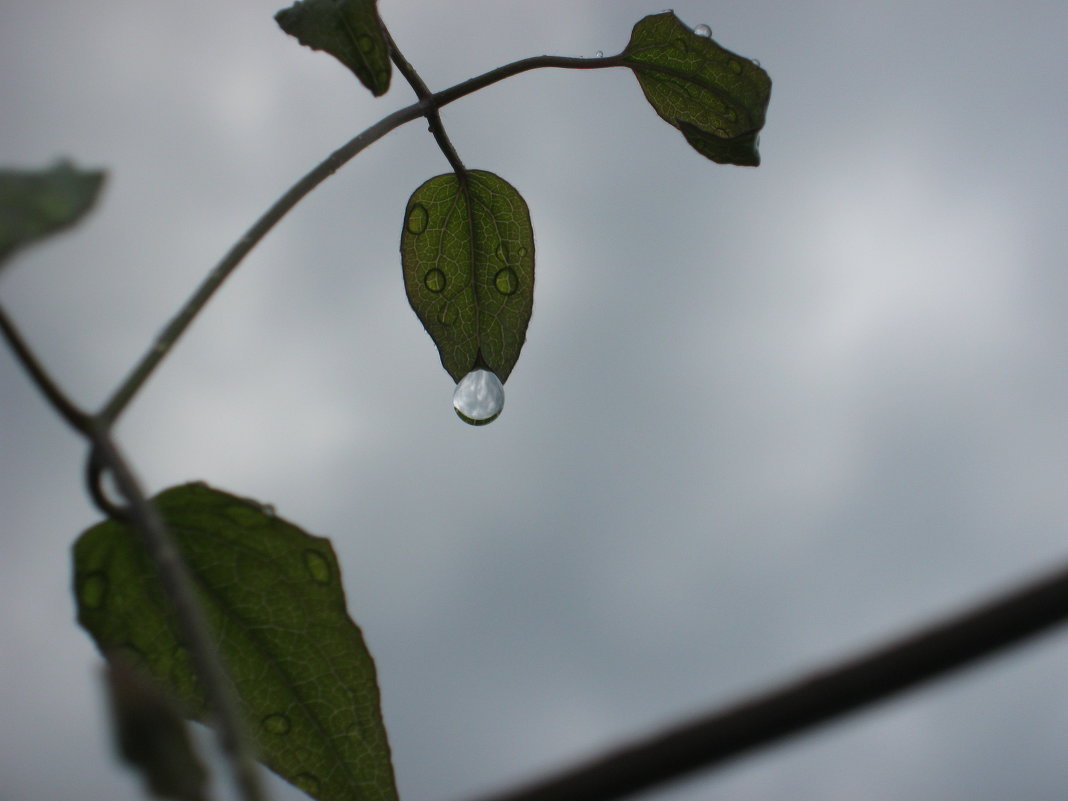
column 178, row 585
column 74, row 417
column 174, row 575
column 760, row 720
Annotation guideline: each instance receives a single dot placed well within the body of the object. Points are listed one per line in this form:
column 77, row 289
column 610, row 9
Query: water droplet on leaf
column 506, row 281
column 502, row 253
column 418, row 217
column 276, row 724
column 479, row 397
column 434, row 280
column 318, row 567
column 703, row 30
column 94, row 588
column 600, row 54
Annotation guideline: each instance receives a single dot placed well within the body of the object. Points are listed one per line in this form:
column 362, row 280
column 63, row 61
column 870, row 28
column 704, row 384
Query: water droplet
column 434, row 280
column 506, row 281
column 269, row 510
column 522, row 253
column 418, row 217
column 735, row 66
column 479, row 397
column 756, row 62
column 447, row 314
column 307, row 782
column 600, row 54
column 703, row 30
column 318, row 567
column 276, row 724
column 502, row 253
column 94, row 588
column 245, row 516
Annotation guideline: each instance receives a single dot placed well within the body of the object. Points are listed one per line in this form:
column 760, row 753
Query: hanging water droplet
column 703, row 30
column 479, row 397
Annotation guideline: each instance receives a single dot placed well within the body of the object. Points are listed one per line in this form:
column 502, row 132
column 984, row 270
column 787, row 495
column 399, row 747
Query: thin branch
column 64, row 406
column 196, row 633
column 821, row 696
column 433, row 118
column 166, row 340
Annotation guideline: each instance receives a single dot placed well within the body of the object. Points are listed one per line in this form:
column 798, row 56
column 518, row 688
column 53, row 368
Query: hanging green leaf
column 717, row 98
column 349, row 30
column 467, row 251
column 37, row 203
column 272, row 593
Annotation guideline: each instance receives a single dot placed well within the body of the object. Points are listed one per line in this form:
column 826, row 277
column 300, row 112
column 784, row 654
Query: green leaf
column 37, row 203
column 349, row 30
column 717, row 98
column 467, row 252
column 272, row 593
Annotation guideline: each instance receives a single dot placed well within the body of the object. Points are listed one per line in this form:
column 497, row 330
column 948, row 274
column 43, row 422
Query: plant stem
column 173, row 573
column 166, row 340
column 821, row 696
column 433, row 118
column 196, row 633
column 75, row 417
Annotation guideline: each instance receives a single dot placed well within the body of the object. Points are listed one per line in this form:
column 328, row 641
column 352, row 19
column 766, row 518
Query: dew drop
column 276, row 724
column 245, row 516
column 434, row 280
column 94, row 588
column 506, row 281
column 600, row 54
column 418, row 217
column 735, row 66
column 703, row 30
column 479, row 397
column 318, row 567
column 502, row 253
column 522, row 253
column 307, row 782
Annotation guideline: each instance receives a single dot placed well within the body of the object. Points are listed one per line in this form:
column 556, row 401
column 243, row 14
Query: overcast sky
column 763, row 417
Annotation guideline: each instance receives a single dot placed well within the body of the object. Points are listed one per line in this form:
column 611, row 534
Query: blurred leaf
column 467, row 251
column 717, row 98
column 36, row 203
column 349, row 30
column 151, row 736
column 272, row 593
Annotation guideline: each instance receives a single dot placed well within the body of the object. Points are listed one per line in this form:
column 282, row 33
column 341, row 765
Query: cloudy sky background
column 763, row 417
